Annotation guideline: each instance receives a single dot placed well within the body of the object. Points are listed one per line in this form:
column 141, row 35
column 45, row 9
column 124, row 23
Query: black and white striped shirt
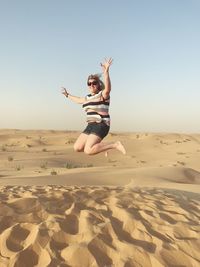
column 97, row 108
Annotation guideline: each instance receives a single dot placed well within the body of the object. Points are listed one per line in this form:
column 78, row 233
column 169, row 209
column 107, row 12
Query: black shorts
column 100, row 129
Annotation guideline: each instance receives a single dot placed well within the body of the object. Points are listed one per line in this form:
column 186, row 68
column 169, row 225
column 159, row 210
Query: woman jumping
column 96, row 105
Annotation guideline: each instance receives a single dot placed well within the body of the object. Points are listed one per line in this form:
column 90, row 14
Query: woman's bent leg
column 79, row 145
column 94, row 145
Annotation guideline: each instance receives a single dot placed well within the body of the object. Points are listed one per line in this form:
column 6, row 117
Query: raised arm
column 105, row 66
column 75, row 99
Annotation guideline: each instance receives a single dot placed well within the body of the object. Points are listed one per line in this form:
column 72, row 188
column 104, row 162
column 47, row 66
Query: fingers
column 107, row 61
column 110, row 60
column 64, row 91
column 106, row 65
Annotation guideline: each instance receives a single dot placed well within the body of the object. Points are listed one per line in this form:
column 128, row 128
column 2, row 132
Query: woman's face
column 93, row 86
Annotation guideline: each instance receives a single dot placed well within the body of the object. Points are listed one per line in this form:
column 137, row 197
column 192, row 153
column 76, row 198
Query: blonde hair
column 97, row 78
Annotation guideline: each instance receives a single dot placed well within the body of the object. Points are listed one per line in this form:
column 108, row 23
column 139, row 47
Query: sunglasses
column 92, row 83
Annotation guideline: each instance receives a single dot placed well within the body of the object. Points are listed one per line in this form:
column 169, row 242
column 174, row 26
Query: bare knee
column 88, row 151
column 78, row 148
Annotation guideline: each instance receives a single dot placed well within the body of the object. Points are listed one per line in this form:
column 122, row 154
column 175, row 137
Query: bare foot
column 120, row 147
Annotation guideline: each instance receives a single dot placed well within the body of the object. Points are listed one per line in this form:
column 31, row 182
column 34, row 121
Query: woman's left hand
column 106, row 65
column 64, row 91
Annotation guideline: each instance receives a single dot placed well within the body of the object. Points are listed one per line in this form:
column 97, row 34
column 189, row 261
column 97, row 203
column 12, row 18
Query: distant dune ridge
column 61, row 208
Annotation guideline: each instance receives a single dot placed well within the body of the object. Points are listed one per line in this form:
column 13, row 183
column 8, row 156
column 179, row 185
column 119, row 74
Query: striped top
column 97, row 108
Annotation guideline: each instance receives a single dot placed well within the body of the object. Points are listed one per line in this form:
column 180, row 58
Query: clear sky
column 46, row 44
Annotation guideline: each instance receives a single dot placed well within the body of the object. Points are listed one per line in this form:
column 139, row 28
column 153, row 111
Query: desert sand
column 62, row 208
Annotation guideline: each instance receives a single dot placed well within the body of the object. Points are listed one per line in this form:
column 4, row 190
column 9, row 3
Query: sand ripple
column 98, row 226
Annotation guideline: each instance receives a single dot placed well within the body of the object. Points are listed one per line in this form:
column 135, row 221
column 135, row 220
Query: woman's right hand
column 64, row 91
column 106, row 64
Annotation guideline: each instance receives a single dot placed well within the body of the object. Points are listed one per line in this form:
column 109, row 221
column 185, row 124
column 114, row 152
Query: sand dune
column 61, row 208
column 98, row 226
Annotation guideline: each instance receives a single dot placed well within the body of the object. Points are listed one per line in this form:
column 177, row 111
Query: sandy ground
column 61, row 208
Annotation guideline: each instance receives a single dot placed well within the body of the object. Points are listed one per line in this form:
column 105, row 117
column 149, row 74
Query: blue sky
column 155, row 77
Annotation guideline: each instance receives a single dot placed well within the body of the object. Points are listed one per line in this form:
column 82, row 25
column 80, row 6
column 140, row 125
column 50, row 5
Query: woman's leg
column 94, row 145
column 79, row 145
